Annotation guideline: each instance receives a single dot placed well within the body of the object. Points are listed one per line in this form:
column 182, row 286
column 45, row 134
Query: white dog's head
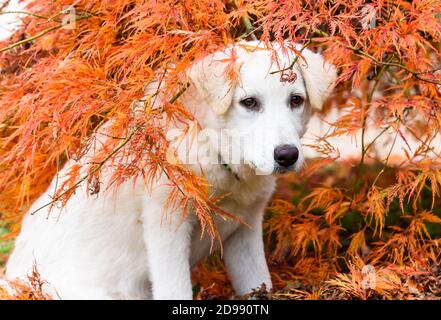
column 263, row 114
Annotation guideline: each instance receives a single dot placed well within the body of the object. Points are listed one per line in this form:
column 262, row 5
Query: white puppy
column 114, row 246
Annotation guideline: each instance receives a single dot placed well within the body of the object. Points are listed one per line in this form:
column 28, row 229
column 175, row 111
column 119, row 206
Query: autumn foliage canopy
column 60, row 81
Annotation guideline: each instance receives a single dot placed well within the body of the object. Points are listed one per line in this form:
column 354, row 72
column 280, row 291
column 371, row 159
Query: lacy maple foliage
column 60, row 82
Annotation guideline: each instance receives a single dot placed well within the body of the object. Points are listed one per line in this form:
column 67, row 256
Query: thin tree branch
column 100, row 164
column 364, row 149
column 416, row 74
column 4, row 4
column 25, row 13
column 295, row 59
column 40, row 34
column 249, row 28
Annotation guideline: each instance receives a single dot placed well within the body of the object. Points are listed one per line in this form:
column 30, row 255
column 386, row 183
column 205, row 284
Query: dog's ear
column 318, row 75
column 211, row 79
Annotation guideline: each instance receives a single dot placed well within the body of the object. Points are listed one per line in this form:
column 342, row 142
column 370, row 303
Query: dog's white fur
column 116, row 246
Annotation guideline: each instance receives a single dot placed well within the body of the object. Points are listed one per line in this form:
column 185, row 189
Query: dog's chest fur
column 245, row 196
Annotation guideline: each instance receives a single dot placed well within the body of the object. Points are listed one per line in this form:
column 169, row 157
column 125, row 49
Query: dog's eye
column 296, row 101
column 250, row 103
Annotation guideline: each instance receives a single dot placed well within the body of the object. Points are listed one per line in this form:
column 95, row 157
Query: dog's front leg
column 244, row 257
column 168, row 253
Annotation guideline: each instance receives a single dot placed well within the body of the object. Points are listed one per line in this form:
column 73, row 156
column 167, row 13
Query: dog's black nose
column 286, row 155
